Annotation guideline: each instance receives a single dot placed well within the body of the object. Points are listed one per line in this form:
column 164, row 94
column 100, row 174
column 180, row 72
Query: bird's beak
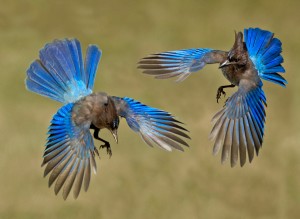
column 225, row 63
column 115, row 134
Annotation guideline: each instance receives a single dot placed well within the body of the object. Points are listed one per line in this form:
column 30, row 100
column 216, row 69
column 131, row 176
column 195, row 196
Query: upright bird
column 239, row 126
column 70, row 151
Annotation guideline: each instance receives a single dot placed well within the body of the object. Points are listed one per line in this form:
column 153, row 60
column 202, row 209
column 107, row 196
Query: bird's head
column 105, row 114
column 238, row 54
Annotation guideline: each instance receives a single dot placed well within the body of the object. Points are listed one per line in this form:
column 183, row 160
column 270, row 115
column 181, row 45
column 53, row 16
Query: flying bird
column 60, row 74
column 239, row 126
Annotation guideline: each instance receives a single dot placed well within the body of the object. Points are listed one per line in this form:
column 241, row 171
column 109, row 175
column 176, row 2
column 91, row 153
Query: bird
column 238, row 128
column 69, row 156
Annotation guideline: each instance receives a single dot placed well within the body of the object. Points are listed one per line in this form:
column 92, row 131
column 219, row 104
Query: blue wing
column 153, row 125
column 180, row 63
column 239, row 126
column 60, row 73
column 69, row 153
column 265, row 53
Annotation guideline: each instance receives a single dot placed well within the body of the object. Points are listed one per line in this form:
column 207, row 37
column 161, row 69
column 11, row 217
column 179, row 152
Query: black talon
column 221, row 91
column 106, row 143
column 96, row 152
column 108, row 148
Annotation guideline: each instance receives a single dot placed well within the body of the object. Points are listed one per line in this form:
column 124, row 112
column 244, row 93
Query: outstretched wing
column 265, row 53
column 180, row 63
column 60, row 74
column 153, row 125
column 69, row 153
column 239, row 126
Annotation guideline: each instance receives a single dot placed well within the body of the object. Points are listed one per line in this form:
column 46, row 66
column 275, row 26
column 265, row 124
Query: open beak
column 223, row 64
column 115, row 134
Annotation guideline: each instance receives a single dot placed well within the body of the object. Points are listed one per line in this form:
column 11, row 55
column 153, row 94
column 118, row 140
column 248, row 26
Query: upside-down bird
column 239, row 125
column 69, row 156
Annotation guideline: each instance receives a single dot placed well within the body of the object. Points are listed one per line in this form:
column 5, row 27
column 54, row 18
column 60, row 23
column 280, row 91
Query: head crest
column 238, row 43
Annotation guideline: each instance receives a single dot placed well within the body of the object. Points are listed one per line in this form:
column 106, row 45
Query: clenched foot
column 219, row 93
column 108, row 148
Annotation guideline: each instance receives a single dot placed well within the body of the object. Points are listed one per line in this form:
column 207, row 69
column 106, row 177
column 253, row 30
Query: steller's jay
column 70, row 152
column 239, row 126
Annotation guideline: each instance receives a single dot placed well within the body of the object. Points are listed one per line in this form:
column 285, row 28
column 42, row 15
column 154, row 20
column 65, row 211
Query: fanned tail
column 60, row 73
column 265, row 53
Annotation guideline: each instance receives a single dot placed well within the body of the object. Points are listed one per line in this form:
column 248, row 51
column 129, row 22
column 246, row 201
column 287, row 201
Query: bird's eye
column 233, row 59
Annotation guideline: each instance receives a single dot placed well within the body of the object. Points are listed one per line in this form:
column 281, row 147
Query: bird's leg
column 106, row 143
column 221, row 91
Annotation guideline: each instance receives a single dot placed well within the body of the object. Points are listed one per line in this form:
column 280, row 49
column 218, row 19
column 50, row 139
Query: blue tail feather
column 277, row 68
column 76, row 53
column 55, row 58
column 60, row 73
column 265, row 53
column 275, row 78
column 40, row 81
column 275, row 62
column 93, row 56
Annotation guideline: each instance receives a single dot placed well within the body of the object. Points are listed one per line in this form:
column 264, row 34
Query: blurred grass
column 140, row 182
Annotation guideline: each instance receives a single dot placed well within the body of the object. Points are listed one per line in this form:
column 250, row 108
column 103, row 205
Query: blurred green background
column 138, row 181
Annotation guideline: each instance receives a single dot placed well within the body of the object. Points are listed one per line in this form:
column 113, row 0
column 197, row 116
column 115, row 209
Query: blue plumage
column 69, row 152
column 60, row 74
column 265, row 53
column 63, row 129
column 93, row 56
column 239, row 126
column 179, row 63
column 153, row 125
column 69, row 156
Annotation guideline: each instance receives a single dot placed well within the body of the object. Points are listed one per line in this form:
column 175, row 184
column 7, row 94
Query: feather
column 92, row 59
column 65, row 173
column 79, row 179
column 70, row 179
column 239, row 126
column 235, row 143
column 227, row 141
column 68, row 153
column 220, row 136
column 154, row 125
column 242, row 142
column 175, row 63
column 87, row 175
column 264, row 51
column 59, row 73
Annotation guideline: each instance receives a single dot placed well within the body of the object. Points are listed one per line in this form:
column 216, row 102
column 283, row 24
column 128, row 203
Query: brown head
column 105, row 114
column 238, row 54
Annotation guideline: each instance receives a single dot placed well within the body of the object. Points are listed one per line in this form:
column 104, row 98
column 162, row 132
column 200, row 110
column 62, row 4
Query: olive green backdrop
column 139, row 181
